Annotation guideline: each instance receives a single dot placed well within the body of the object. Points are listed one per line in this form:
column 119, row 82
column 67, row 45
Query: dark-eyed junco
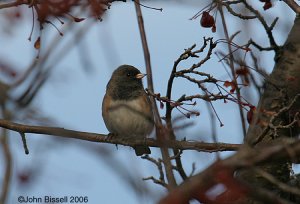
column 126, row 108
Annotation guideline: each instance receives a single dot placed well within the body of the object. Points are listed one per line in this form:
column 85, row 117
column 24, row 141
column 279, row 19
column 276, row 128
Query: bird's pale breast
column 128, row 118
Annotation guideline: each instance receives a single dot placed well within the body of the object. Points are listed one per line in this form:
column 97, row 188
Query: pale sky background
column 73, row 97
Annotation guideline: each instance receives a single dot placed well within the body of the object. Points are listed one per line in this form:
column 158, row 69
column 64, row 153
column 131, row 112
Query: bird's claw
column 110, row 136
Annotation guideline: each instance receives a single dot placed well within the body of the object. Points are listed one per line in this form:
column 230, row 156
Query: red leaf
column 227, row 83
column 231, row 84
column 250, row 114
column 207, row 21
column 47, row 8
column 242, row 71
column 97, row 8
column 267, row 5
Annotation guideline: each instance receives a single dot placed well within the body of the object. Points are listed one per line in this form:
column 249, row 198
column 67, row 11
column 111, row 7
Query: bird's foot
column 110, row 136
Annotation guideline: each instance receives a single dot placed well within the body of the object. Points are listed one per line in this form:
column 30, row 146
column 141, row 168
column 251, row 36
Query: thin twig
column 268, row 29
column 149, row 7
column 158, row 163
column 160, row 132
column 213, row 125
column 157, row 181
column 231, row 63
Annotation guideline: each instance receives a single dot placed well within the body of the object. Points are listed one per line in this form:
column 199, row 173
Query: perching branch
column 102, row 138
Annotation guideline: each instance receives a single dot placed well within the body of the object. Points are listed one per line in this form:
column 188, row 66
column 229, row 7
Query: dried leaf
column 267, row 5
column 207, row 21
column 230, row 84
column 78, row 19
column 161, row 105
column 250, row 114
column 37, row 44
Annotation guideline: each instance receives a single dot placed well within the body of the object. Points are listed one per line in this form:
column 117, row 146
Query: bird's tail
column 140, row 150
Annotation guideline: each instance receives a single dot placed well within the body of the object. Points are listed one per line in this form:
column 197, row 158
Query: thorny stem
column 160, row 132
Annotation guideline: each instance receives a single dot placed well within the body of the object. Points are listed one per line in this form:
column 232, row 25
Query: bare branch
column 293, row 5
column 282, row 186
column 231, row 65
column 268, row 29
column 13, row 4
column 160, row 130
column 94, row 137
column 158, row 163
column 244, row 159
column 8, row 165
column 157, row 181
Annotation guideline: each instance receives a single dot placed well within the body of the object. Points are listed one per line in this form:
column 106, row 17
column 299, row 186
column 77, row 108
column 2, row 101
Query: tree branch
column 102, row 138
column 160, row 129
column 13, row 4
column 232, row 69
column 8, row 166
column 223, row 171
column 293, row 5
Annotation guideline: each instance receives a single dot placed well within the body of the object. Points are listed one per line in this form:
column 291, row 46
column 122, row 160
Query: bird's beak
column 140, row 76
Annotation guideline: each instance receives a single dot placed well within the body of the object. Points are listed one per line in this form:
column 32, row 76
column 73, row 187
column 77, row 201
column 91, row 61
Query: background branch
column 8, row 165
column 245, row 158
column 293, row 5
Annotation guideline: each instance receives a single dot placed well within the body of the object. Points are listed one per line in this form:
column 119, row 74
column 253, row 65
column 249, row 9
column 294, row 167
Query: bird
column 126, row 107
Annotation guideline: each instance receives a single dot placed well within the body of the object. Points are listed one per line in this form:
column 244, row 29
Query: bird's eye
column 128, row 74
